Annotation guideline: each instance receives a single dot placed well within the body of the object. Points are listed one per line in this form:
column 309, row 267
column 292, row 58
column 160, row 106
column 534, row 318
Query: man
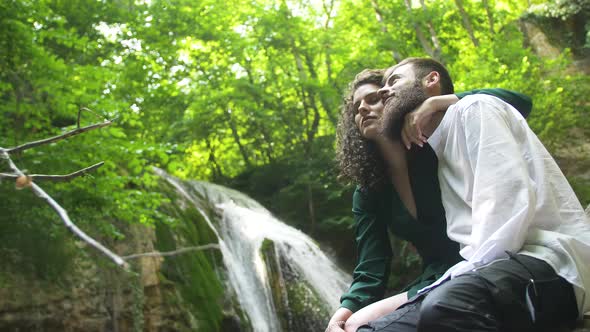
column 523, row 233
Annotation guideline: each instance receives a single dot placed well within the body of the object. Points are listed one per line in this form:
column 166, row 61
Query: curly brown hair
column 358, row 158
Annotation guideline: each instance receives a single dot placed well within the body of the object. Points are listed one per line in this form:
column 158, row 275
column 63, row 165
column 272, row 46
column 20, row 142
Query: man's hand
column 415, row 121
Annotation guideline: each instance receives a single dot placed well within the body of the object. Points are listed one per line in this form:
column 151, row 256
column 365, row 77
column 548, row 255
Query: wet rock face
column 297, row 304
column 93, row 295
column 308, row 312
column 549, row 36
column 539, row 41
column 89, row 297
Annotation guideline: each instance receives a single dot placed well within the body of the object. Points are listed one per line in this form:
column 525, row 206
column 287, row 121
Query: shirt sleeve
column 521, row 102
column 374, row 253
column 503, row 197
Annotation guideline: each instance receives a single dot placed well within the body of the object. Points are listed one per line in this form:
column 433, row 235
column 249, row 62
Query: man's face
column 401, row 94
column 368, row 110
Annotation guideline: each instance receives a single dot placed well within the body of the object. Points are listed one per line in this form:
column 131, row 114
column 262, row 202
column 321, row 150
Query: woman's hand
column 337, row 326
column 338, row 320
column 413, row 124
column 415, row 121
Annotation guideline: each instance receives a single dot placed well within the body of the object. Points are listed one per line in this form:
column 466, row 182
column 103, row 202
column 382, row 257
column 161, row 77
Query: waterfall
column 243, row 224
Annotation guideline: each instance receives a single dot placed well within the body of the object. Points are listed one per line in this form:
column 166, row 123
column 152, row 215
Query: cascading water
column 243, row 226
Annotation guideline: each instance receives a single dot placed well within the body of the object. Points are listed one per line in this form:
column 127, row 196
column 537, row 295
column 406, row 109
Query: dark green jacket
column 378, row 212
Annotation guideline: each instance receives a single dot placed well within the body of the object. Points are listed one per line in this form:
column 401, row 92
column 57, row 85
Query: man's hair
column 358, row 158
column 423, row 66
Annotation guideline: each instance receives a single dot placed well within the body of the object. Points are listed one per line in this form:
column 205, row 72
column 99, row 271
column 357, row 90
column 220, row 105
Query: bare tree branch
column 419, row 33
column 87, row 110
column 56, row 178
column 172, row 253
column 9, row 175
column 64, row 215
column 57, row 138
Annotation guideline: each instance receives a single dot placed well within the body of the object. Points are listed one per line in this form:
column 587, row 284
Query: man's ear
column 432, row 80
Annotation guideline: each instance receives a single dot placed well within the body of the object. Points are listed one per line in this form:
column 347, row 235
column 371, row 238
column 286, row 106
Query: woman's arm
column 416, row 120
column 374, row 311
column 374, row 252
column 397, row 165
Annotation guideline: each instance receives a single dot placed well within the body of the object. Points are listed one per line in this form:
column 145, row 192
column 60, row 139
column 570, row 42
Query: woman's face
column 368, row 110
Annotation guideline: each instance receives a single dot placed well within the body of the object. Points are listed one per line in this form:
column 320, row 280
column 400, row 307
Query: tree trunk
column 325, row 103
column 216, row 168
column 265, row 145
column 328, row 60
column 490, row 15
column 308, row 100
column 433, row 36
column 328, row 63
column 307, row 97
column 394, row 53
column 261, row 106
column 328, row 8
column 466, row 22
column 419, row 33
column 236, row 135
column 19, row 96
column 311, row 209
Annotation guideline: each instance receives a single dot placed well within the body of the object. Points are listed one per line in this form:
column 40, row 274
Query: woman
column 396, row 192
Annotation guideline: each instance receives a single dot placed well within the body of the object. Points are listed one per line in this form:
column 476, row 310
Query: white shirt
column 501, row 190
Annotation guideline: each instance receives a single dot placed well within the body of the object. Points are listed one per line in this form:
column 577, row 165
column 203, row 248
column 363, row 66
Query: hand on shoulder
column 417, row 121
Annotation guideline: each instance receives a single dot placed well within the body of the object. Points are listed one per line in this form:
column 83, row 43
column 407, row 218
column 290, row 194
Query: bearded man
column 523, row 234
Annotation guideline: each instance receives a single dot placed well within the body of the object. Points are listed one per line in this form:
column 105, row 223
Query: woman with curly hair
column 397, row 191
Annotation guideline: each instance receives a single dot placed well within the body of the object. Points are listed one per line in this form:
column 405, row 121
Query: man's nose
column 383, row 92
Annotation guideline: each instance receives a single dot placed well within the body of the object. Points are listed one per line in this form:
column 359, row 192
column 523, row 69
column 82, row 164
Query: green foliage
column 30, row 242
column 562, row 9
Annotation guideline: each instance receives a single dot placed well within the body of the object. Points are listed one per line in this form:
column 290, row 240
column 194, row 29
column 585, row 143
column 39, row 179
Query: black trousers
column 518, row 294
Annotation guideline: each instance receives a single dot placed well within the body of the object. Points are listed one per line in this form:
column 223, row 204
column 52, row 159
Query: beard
column 395, row 109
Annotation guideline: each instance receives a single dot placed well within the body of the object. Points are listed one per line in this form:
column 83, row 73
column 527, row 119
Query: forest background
column 247, row 94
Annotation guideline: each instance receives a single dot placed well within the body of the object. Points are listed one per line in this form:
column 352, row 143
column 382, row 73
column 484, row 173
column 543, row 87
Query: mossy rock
column 299, row 307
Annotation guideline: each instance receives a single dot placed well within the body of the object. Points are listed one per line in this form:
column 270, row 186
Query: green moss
column 266, row 245
column 194, row 274
column 276, row 282
column 307, row 310
column 138, row 302
column 303, row 299
column 298, row 306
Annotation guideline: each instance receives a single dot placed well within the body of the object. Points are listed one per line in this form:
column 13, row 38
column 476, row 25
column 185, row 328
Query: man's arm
column 503, row 196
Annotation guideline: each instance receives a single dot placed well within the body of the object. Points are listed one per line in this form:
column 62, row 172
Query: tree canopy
column 248, row 93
